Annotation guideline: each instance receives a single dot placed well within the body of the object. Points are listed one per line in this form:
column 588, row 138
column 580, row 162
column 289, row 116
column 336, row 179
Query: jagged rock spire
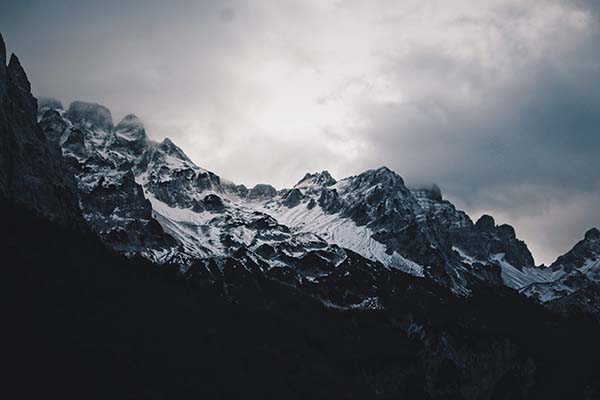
column 2, row 56
column 17, row 74
column 32, row 173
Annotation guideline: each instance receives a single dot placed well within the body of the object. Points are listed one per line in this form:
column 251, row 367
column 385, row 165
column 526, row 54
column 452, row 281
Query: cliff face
column 32, row 171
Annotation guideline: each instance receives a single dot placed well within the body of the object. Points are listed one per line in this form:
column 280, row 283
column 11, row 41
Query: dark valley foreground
column 130, row 272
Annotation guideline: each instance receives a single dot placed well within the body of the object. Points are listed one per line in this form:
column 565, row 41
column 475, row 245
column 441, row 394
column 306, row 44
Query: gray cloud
column 497, row 100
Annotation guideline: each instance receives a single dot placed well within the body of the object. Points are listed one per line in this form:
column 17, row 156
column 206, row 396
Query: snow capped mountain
column 583, row 256
column 577, row 282
column 149, row 198
column 254, row 279
column 101, row 159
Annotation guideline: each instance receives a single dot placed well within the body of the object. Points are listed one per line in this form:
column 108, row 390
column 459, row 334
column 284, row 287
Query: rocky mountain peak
column 593, row 234
column 17, row 74
column 48, row 103
column 585, row 251
column 485, row 223
column 320, row 179
column 53, row 125
column 131, row 128
column 387, row 176
column 93, row 114
column 292, row 198
column 51, row 115
column 262, row 190
column 506, row 231
column 130, row 120
column 2, row 55
column 32, row 170
column 167, row 147
column 383, row 176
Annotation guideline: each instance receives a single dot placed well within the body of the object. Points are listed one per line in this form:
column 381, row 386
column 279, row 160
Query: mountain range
column 149, row 199
column 361, row 287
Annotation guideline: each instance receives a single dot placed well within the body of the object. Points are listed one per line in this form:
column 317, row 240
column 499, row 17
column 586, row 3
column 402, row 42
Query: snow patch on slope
column 519, row 278
column 191, row 229
column 512, row 276
column 340, row 231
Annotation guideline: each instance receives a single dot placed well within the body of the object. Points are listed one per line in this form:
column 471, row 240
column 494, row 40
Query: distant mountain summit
column 149, row 198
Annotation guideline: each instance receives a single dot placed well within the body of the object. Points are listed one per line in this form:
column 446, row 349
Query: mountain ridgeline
column 131, row 272
column 149, row 199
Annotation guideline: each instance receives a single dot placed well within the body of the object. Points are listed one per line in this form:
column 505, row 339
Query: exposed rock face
column 593, row 235
column 53, row 125
column 262, row 191
column 486, row 238
column 482, row 243
column 48, row 103
column 292, row 198
column 101, row 158
column 119, row 213
column 130, row 136
column 131, row 127
column 577, row 283
column 32, row 171
column 582, row 254
column 319, row 179
column 92, row 115
column 170, row 176
column 395, row 222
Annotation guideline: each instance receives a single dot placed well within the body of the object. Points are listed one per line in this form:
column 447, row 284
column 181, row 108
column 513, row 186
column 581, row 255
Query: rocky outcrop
column 118, row 211
column 486, row 239
column 53, row 125
column 101, row 158
column 262, row 191
column 319, row 179
column 48, row 103
column 92, row 115
column 577, row 284
column 292, row 198
column 32, row 170
column 129, row 136
column 584, row 253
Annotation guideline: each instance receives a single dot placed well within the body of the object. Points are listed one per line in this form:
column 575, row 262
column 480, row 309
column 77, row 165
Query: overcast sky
column 496, row 101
